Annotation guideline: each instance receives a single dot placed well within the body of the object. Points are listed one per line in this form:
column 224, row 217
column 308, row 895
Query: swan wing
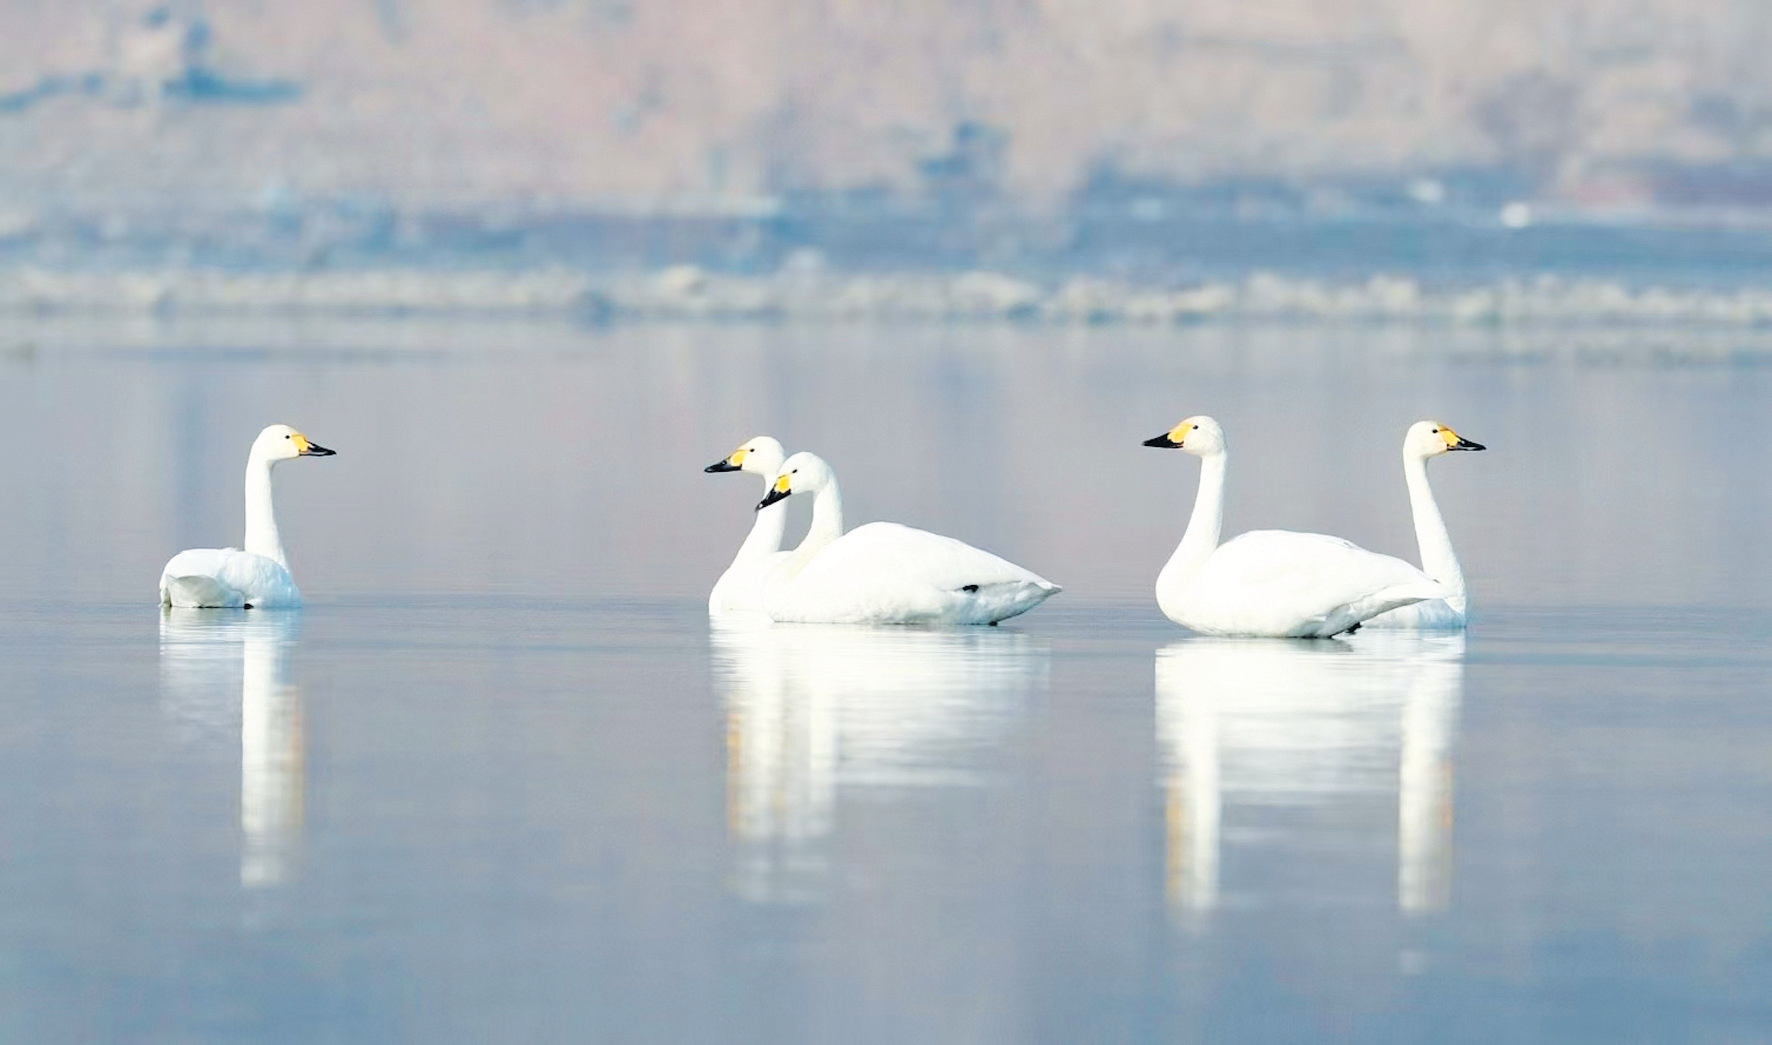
column 1278, row 582
column 929, row 558
column 1428, row 615
column 889, row 573
column 226, row 577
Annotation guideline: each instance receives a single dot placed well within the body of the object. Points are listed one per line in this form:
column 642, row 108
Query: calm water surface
column 502, row 780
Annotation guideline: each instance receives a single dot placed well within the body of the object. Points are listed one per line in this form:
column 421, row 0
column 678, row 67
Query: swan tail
column 197, row 590
column 997, row 602
column 1427, row 615
column 1346, row 618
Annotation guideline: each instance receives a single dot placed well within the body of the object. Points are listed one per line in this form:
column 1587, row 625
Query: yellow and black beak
column 728, row 464
column 306, row 447
column 1172, row 439
column 779, row 491
column 1454, row 441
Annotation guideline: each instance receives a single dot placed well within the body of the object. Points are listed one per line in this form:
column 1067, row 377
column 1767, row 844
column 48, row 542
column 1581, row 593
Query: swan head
column 1431, row 438
column 283, row 443
column 801, row 473
column 1198, row 435
column 759, row 456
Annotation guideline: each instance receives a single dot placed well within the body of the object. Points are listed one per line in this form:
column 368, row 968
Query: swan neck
column 827, row 516
column 262, row 537
column 766, row 529
column 827, row 526
column 1204, row 525
column 1437, row 558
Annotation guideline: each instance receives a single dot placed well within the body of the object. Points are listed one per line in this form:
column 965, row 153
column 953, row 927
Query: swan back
column 885, row 573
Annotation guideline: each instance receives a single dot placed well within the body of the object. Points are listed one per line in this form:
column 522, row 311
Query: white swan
column 1270, row 582
column 737, row 589
column 257, row 577
column 1427, row 439
column 884, row 573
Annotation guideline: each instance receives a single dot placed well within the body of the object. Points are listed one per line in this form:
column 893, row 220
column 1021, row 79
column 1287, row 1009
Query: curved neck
column 827, row 526
column 261, row 520
column 1203, row 526
column 766, row 529
column 1437, row 558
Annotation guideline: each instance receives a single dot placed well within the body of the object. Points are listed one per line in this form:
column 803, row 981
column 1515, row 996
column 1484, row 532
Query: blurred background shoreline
column 608, row 161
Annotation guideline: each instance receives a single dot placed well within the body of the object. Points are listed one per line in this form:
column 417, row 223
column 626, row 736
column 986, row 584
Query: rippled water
column 502, row 780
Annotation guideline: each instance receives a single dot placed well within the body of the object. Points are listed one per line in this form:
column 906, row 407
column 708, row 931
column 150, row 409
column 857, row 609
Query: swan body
column 739, row 589
column 1425, row 440
column 885, row 573
column 1274, row 583
column 256, row 577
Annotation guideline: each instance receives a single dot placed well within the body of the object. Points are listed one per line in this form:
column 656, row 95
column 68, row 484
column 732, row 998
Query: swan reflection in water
column 1248, row 725
column 813, row 710
column 200, row 652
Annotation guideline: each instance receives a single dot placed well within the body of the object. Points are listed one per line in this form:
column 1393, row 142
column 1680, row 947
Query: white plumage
column 258, row 576
column 739, row 589
column 885, row 573
column 1271, row 582
column 227, row 578
column 1424, row 440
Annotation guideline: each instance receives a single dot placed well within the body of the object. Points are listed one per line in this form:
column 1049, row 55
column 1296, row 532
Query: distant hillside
column 629, row 102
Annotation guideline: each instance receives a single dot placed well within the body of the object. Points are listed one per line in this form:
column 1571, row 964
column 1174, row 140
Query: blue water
column 502, row 780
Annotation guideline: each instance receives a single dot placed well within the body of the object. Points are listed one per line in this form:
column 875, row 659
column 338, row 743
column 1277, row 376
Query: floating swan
column 258, row 577
column 1427, row 439
column 737, row 589
column 884, row 573
column 1271, row 582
